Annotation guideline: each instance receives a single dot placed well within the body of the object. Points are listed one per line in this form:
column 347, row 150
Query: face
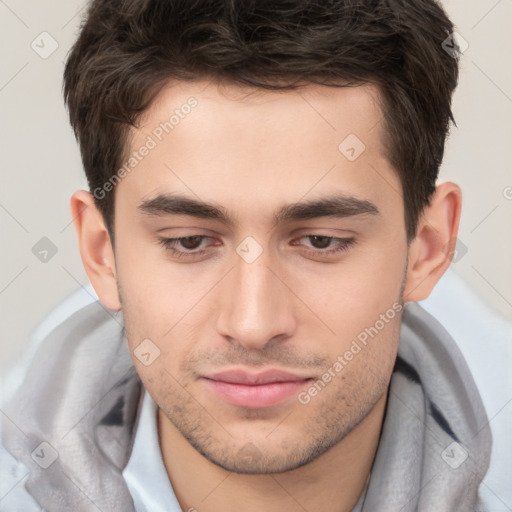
column 260, row 253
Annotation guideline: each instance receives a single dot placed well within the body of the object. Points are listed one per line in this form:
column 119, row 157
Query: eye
column 190, row 242
column 185, row 245
column 325, row 245
column 320, row 242
column 197, row 245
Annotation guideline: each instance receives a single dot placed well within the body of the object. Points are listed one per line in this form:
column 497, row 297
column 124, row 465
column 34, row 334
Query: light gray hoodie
column 68, row 429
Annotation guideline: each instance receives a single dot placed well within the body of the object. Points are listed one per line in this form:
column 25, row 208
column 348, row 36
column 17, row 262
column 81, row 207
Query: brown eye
column 324, row 246
column 191, row 242
column 320, row 242
column 186, row 245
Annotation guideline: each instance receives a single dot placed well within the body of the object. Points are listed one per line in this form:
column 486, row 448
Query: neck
column 336, row 477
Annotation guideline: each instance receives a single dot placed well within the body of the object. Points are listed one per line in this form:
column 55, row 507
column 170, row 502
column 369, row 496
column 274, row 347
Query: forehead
column 304, row 111
column 242, row 146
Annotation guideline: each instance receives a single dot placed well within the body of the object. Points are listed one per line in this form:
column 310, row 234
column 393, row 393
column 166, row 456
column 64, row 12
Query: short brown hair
column 128, row 49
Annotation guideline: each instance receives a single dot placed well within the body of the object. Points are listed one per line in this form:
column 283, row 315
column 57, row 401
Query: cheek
column 151, row 288
column 154, row 317
column 163, row 303
column 353, row 295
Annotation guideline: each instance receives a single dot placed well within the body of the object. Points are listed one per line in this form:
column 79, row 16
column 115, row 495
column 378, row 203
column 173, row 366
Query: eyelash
column 343, row 245
column 170, row 245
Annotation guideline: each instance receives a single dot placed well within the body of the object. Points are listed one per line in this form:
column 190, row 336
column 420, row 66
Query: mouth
column 255, row 390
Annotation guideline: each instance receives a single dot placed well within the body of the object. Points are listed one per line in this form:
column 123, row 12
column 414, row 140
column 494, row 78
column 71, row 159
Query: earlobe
column 431, row 252
column 95, row 248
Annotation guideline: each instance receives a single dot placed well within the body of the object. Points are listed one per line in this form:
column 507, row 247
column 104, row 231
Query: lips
column 255, row 390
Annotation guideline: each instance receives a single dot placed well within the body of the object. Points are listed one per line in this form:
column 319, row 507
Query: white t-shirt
column 145, row 473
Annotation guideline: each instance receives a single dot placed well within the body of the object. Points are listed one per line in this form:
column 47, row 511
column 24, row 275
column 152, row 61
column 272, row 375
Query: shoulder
column 485, row 339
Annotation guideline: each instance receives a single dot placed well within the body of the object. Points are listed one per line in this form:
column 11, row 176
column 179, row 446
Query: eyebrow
column 338, row 206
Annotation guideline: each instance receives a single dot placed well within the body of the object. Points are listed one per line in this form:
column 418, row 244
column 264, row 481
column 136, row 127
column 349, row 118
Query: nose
column 256, row 306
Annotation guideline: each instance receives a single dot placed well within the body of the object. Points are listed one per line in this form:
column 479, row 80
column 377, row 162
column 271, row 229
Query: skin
column 294, row 308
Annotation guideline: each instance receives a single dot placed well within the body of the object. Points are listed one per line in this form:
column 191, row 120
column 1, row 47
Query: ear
column 95, row 248
column 431, row 252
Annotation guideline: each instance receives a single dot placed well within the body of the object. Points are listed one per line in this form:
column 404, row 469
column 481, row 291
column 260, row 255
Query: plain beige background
column 41, row 167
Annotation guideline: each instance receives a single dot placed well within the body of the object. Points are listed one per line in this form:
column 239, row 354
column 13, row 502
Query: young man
column 262, row 216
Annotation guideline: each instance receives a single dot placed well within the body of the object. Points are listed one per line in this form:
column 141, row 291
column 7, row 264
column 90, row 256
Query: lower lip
column 256, row 396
